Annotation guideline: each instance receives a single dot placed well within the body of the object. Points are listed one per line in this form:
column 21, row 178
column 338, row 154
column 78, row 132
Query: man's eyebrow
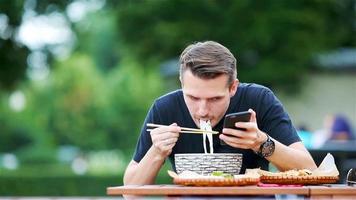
column 216, row 97
column 219, row 96
column 189, row 95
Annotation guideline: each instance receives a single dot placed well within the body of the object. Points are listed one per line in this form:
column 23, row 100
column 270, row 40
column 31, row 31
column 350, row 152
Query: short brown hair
column 208, row 60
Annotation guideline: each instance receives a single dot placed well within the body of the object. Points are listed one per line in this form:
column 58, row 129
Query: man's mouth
column 203, row 120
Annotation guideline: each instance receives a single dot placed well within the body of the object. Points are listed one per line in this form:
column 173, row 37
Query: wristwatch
column 266, row 148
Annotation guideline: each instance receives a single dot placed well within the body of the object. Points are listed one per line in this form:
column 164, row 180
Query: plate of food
column 326, row 173
column 303, row 176
column 216, row 178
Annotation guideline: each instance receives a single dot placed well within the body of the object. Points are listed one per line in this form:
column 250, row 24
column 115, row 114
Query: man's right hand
column 165, row 138
column 145, row 172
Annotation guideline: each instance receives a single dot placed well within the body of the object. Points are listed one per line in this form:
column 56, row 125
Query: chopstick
column 184, row 129
column 192, row 132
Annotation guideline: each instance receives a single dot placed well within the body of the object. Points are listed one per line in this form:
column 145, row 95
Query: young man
column 209, row 91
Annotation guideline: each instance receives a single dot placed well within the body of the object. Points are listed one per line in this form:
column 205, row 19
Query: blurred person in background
column 320, row 136
column 210, row 90
column 335, row 128
column 341, row 129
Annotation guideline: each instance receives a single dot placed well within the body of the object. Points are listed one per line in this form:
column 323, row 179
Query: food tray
column 305, row 180
column 216, row 181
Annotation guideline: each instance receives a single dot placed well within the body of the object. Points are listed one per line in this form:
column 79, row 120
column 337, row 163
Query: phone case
column 231, row 119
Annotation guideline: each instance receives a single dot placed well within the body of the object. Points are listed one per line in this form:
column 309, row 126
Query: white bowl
column 207, row 163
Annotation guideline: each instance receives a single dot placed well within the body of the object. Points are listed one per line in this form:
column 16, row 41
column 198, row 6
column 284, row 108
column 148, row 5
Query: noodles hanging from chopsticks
column 205, row 125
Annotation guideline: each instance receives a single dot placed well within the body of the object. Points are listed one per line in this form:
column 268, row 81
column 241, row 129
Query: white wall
column 322, row 94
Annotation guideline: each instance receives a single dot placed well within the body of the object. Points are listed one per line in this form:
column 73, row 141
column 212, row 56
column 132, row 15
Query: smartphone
column 231, row 119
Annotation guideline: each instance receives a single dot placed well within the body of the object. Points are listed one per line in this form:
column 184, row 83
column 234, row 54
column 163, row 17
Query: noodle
column 205, row 125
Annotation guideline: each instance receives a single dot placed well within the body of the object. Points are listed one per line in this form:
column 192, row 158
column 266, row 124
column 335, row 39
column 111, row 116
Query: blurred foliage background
column 78, row 76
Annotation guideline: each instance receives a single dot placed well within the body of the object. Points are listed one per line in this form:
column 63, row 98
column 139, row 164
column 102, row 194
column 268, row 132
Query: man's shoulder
column 253, row 88
column 169, row 98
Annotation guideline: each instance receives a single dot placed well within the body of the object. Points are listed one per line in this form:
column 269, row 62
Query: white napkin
column 327, row 167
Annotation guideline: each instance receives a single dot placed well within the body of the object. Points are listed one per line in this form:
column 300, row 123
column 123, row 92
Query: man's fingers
column 238, row 139
column 233, row 132
column 166, row 146
column 246, row 125
column 237, row 143
column 171, row 128
column 166, row 135
column 253, row 115
column 169, row 141
column 165, row 138
column 228, row 138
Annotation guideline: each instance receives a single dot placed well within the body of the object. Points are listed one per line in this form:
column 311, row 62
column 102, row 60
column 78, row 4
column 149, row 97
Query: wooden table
column 314, row 192
column 333, row 191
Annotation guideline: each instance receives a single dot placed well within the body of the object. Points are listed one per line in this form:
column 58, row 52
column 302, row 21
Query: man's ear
column 181, row 81
column 233, row 87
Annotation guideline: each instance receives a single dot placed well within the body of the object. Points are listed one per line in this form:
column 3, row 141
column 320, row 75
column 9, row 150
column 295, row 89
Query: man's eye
column 194, row 98
column 215, row 99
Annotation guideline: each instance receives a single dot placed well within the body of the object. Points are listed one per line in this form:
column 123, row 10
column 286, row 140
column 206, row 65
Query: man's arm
column 294, row 156
column 145, row 172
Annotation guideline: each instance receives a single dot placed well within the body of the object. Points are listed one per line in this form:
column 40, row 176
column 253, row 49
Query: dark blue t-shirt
column 271, row 119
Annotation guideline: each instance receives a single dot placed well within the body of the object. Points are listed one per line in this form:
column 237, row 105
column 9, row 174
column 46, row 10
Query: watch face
column 268, row 148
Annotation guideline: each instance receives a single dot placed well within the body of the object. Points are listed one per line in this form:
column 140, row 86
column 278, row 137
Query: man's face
column 207, row 99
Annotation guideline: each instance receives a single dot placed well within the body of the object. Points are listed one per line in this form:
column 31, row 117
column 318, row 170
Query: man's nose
column 203, row 109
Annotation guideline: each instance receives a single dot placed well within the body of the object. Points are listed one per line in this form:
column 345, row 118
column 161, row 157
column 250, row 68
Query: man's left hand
column 249, row 138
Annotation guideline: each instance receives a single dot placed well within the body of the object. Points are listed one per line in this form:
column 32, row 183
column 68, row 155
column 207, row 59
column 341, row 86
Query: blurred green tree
column 74, row 108
column 274, row 41
column 131, row 91
column 97, row 37
column 13, row 55
column 80, row 105
column 14, row 135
